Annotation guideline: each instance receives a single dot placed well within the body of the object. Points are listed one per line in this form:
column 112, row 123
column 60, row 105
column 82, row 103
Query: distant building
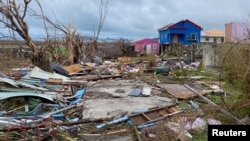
column 146, row 46
column 184, row 32
column 237, row 32
column 212, row 36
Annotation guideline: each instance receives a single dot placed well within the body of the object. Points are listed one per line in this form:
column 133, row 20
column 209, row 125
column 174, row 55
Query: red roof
column 146, row 40
column 172, row 25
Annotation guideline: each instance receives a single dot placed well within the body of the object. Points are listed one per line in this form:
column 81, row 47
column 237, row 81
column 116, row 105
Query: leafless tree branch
column 103, row 7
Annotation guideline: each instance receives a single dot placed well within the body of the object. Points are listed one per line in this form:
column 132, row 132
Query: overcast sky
column 134, row 19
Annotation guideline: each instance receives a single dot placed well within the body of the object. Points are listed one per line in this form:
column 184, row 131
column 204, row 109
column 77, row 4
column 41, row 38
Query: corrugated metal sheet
column 38, row 73
column 5, row 95
column 9, row 81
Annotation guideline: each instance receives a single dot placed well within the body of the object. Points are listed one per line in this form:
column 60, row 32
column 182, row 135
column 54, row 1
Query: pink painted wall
column 142, row 45
column 237, row 31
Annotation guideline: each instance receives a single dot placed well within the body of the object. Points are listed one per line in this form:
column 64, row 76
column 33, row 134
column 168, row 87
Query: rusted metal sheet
column 179, row 91
column 153, row 115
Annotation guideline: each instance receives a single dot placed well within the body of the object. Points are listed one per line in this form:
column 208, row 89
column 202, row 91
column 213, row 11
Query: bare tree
column 14, row 19
column 77, row 44
column 69, row 38
column 103, row 8
column 13, row 16
column 103, row 11
column 69, row 35
column 123, row 45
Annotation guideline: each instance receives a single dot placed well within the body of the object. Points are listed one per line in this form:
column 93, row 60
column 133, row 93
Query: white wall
column 209, row 56
column 211, row 39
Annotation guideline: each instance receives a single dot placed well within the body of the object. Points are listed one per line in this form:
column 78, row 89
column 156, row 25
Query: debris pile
column 100, row 102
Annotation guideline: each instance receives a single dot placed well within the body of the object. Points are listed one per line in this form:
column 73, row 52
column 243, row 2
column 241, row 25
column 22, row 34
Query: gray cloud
column 142, row 18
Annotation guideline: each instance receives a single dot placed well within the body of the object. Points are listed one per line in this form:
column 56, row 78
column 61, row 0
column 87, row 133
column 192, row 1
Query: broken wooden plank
column 138, row 136
column 20, row 127
column 108, row 133
column 119, row 135
column 124, row 59
column 75, row 68
column 179, row 91
column 153, row 115
column 54, row 80
column 68, row 82
column 95, row 77
column 213, row 104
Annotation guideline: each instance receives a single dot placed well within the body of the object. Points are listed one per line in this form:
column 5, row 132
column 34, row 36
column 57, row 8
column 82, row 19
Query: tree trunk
column 68, row 44
column 42, row 61
column 69, row 49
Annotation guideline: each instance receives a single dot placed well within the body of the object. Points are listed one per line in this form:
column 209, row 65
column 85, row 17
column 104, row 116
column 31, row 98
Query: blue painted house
column 184, row 32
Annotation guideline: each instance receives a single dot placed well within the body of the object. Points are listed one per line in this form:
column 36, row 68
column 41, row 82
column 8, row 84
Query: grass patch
column 143, row 58
column 200, row 136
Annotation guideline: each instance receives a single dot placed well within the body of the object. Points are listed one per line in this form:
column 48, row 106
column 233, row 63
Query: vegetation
column 14, row 17
column 236, row 65
column 234, row 60
column 233, row 78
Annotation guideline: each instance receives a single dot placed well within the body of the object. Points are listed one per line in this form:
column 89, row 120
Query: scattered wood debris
column 94, row 102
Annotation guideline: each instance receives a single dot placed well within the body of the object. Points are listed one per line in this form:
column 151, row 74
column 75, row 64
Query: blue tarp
column 78, row 96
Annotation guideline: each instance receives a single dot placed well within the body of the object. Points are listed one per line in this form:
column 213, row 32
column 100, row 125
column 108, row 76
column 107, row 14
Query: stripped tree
column 69, row 38
column 13, row 16
column 103, row 8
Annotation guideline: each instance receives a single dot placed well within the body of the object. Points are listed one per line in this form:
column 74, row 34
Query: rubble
column 101, row 97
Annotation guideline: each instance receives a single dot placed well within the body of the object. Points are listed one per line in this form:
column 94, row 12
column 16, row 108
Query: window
column 193, row 36
column 207, row 38
column 154, row 46
column 215, row 40
column 144, row 47
column 222, row 39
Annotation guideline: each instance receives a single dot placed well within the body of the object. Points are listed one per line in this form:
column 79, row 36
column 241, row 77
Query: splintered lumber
column 96, row 77
column 153, row 115
column 75, row 68
column 43, row 125
column 138, row 136
column 213, row 104
column 68, row 82
column 124, row 59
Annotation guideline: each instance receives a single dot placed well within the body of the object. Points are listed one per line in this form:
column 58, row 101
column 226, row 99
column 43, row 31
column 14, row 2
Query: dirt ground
column 7, row 64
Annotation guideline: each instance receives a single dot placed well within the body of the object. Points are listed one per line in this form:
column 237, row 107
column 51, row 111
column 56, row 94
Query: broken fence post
column 213, row 104
column 138, row 136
